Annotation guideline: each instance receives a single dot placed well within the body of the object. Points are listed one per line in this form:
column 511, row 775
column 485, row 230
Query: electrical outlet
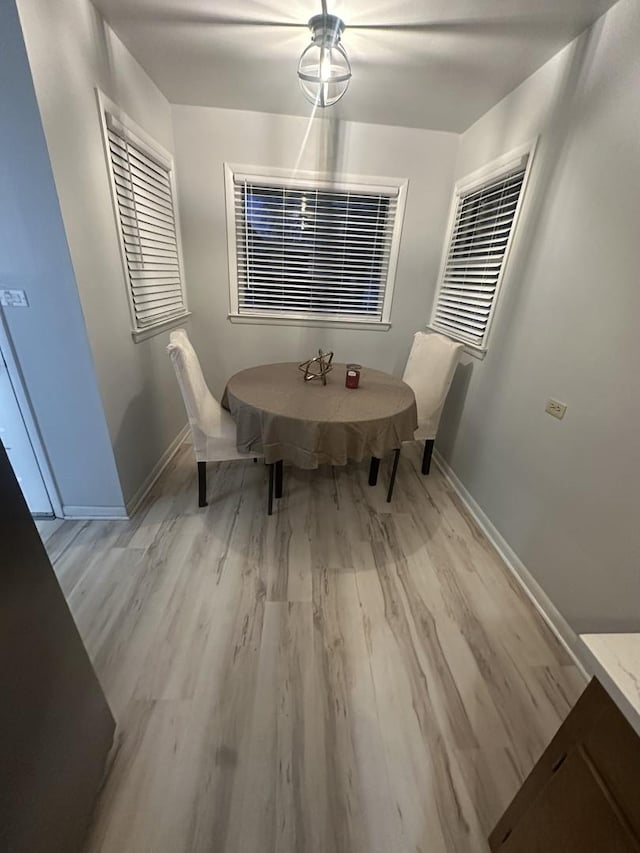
column 555, row 409
column 13, row 299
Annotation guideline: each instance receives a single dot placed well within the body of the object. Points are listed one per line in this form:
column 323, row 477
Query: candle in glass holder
column 352, row 379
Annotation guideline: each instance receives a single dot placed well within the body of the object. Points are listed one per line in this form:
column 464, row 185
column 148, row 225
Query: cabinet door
column 573, row 814
column 582, row 795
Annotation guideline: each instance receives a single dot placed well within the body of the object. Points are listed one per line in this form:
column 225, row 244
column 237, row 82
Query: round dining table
column 307, row 424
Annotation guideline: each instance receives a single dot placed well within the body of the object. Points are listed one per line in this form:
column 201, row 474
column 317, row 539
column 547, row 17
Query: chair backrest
column 198, row 400
column 429, row 371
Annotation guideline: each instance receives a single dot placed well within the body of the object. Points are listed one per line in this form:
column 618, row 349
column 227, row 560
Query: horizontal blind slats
column 468, row 293
column 275, row 214
column 141, row 222
column 147, row 320
column 493, row 189
column 139, row 176
column 137, row 156
column 309, row 302
column 144, row 199
column 480, row 235
column 173, row 290
column 253, row 275
column 143, row 206
column 136, row 208
column 470, row 303
column 144, row 241
column 457, row 331
column 156, row 255
column 270, row 186
column 487, row 222
column 477, row 327
column 312, row 250
column 304, row 310
column 468, row 280
column 306, row 202
column 330, row 290
column 319, row 253
column 143, row 229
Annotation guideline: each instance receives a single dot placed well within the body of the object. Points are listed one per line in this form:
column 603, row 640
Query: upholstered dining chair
column 213, row 430
column 429, row 372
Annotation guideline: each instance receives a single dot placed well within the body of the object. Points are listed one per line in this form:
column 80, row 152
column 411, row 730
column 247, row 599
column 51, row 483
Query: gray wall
column 49, row 337
column 71, row 51
column 564, row 493
column 207, row 137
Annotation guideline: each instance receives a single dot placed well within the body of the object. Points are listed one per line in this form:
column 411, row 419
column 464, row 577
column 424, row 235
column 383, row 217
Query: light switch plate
column 13, row 299
column 555, row 408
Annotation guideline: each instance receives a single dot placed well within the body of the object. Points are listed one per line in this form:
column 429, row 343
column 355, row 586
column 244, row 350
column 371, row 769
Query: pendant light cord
column 324, row 7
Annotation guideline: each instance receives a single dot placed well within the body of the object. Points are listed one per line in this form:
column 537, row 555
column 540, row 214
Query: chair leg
column 279, row 478
column 374, row 467
column 426, row 459
column 270, row 498
column 202, row 484
column 394, row 471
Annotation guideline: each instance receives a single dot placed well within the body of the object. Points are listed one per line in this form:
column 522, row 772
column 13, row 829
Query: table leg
column 426, row 459
column 279, row 476
column 270, row 499
column 394, row 471
column 374, row 467
column 202, row 483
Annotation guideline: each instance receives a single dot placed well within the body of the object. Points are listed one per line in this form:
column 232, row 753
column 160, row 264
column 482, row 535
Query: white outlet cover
column 556, row 409
column 13, row 298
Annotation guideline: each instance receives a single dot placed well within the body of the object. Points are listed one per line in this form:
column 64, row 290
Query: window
column 484, row 216
column 312, row 250
column 144, row 202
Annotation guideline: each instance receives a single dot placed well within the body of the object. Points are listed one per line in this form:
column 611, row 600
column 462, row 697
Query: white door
column 14, row 436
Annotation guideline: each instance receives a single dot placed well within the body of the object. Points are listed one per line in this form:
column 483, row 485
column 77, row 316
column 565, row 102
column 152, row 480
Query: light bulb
column 325, row 67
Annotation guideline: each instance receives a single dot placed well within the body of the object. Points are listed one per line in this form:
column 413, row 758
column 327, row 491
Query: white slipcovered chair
column 429, row 372
column 212, row 428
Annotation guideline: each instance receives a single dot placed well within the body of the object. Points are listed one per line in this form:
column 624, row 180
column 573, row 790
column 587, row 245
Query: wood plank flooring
column 346, row 675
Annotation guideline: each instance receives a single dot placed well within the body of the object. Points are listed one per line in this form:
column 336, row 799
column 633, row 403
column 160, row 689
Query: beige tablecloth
column 308, row 424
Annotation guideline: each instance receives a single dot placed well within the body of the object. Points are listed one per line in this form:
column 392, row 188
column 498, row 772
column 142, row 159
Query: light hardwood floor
column 343, row 676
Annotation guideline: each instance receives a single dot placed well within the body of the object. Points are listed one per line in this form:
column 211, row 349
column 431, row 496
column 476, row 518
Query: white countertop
column 618, row 655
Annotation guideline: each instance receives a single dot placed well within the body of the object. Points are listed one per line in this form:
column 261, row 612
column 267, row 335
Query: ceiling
column 436, row 64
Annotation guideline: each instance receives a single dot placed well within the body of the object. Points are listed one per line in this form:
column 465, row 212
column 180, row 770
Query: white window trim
column 501, row 165
column 333, row 182
column 154, row 150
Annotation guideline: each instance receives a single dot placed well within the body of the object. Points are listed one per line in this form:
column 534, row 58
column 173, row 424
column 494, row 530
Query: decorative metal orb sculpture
column 324, row 69
column 318, row 367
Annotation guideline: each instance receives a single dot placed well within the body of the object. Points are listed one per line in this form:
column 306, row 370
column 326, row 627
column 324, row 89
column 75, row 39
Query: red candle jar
column 352, row 379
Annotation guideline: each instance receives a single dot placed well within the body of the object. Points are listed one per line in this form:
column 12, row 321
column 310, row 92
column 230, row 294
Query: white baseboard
column 538, row 597
column 126, row 511
column 87, row 512
column 134, row 502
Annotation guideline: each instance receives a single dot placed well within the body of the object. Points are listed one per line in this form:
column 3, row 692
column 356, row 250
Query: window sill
column 139, row 335
column 265, row 320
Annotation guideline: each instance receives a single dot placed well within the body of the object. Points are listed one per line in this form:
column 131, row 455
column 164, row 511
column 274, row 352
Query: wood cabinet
column 583, row 796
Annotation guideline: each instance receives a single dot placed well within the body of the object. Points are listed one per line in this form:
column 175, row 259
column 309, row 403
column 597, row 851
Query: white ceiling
column 440, row 64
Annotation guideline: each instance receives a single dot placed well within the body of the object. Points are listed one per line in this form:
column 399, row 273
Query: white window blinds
column 473, row 266
column 305, row 250
column 144, row 199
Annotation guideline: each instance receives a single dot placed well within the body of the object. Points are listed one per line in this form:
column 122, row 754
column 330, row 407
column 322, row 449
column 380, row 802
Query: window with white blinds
column 145, row 207
column 476, row 252
column 309, row 249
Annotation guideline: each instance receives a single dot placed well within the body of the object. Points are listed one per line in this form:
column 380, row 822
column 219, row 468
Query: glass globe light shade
column 324, row 70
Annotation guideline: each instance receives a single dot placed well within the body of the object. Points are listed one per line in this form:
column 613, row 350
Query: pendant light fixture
column 324, row 70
